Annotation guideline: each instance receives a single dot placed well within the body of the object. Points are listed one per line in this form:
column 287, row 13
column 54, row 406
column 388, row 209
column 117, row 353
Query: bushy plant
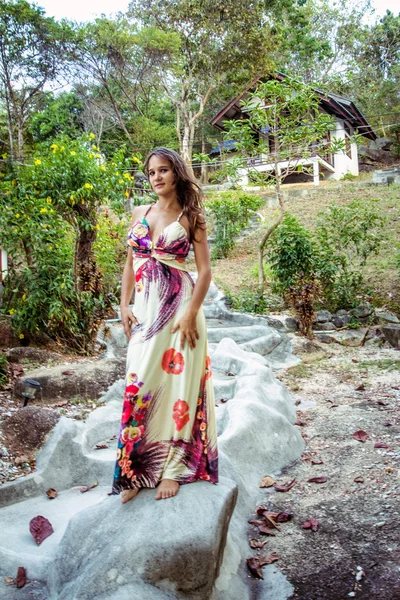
column 3, row 370
column 230, row 211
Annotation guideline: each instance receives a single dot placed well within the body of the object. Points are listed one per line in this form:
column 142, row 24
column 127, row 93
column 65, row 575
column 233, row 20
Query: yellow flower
column 97, row 226
column 50, row 247
column 43, row 210
column 136, row 160
column 91, row 136
column 103, row 168
column 54, row 147
column 94, row 147
column 48, row 200
column 57, row 246
column 4, row 155
column 17, row 216
column 98, row 155
column 21, row 336
column 71, row 197
column 12, row 311
column 122, row 222
column 72, row 153
column 126, row 194
column 120, row 181
column 24, row 298
column 51, row 210
column 13, row 182
column 91, row 155
column 62, row 148
column 38, row 161
column 127, row 176
column 88, row 186
column 15, row 230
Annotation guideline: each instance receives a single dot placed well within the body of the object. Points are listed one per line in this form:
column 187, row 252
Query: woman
column 168, row 434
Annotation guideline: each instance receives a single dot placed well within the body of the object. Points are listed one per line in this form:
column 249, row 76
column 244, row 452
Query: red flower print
column 181, row 414
column 172, row 362
column 208, row 368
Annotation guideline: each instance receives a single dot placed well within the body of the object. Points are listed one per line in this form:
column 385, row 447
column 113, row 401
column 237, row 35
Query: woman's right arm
column 128, row 284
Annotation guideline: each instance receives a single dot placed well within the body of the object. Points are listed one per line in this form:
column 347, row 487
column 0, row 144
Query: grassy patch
column 383, row 364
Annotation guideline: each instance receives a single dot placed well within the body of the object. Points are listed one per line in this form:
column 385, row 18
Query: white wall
column 344, row 164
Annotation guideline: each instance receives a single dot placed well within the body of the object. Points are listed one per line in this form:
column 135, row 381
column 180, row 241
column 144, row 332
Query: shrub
column 3, row 370
column 230, row 212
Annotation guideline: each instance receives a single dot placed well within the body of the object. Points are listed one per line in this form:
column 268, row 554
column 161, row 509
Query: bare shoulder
column 139, row 211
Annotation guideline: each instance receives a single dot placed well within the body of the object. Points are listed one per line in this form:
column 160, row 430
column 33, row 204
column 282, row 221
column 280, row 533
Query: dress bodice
column 172, row 243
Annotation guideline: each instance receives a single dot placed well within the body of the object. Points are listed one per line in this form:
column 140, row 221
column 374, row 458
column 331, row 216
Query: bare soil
column 355, row 551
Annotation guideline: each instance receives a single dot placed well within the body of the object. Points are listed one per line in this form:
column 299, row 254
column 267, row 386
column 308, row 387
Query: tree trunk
column 203, row 167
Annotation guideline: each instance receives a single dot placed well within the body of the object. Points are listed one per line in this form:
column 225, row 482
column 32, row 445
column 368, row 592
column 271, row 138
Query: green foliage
column 3, row 369
column 61, row 115
column 346, row 237
column 48, row 225
column 230, row 213
column 109, row 250
column 249, row 301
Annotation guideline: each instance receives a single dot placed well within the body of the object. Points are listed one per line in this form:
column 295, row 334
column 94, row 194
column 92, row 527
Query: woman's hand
column 128, row 319
column 188, row 326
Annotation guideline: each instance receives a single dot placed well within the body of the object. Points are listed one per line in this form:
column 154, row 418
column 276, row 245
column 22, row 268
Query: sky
column 86, row 10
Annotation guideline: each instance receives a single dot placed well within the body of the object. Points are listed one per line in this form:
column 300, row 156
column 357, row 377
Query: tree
column 59, row 115
column 220, row 41
column 289, row 112
column 31, row 51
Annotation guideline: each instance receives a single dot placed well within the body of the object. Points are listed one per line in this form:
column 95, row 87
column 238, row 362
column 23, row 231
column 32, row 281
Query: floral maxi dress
column 168, row 428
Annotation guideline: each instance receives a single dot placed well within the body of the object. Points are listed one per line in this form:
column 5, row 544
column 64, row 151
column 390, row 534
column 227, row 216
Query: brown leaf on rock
column 21, row 577
column 317, row 461
column 381, row 445
column 223, row 400
column 284, row 487
column 360, row 388
column 387, row 424
column 266, row 530
column 62, row 403
column 101, row 446
column 284, row 517
column 68, row 372
column 359, row 480
column 89, row 487
column 256, row 522
column 40, row 528
column 52, row 493
column 300, row 423
column 261, row 509
column 230, row 374
column 360, row 435
column 381, row 403
column 267, row 482
column 267, row 560
column 257, row 544
column 254, row 567
column 321, row 479
column 271, row 517
column 311, row 523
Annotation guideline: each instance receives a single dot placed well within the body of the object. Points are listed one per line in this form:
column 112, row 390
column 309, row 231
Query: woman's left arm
column 187, row 323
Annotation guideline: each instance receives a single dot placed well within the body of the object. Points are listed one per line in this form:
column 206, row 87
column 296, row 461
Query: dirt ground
column 355, row 551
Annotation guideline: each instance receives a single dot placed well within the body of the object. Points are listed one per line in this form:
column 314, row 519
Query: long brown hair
column 188, row 191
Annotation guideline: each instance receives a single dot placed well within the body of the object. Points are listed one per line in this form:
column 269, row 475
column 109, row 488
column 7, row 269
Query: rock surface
column 392, row 335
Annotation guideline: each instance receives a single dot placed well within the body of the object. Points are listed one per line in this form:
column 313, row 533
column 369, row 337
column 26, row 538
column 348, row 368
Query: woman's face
column 161, row 176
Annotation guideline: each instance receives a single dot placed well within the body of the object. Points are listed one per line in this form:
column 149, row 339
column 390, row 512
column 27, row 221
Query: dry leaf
column 266, row 530
column 52, row 493
column 380, row 445
column 321, row 479
column 62, row 403
column 256, row 522
column 386, row 424
column 89, row 487
column 254, row 567
column 261, row 509
column 101, row 446
column 40, row 528
column 284, row 487
column 257, row 544
column 317, row 461
column 300, row 423
column 230, row 374
column 267, row 482
column 311, row 523
column 284, row 516
column 224, row 400
column 68, row 372
column 360, row 435
column 267, row 560
column 21, row 577
column 360, row 388
column 382, row 403
column 359, row 480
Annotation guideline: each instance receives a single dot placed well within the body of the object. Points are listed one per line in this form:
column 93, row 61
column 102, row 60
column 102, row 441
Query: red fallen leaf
column 284, row 487
column 52, row 493
column 62, row 403
column 224, row 400
column 261, row 509
column 271, row 517
column 40, row 528
column 268, row 560
column 354, row 360
column 359, row 480
column 256, row 522
column 21, row 577
column 284, row 517
column 300, row 423
column 230, row 374
column 257, row 544
column 334, row 405
column 317, row 461
column 360, row 435
column 395, row 387
column 255, row 564
column 254, row 567
column 321, row 479
column 382, row 403
column 68, row 372
column 101, row 446
column 89, row 487
column 360, row 388
column 311, row 523
column 387, row 424
column 380, row 445
column 266, row 530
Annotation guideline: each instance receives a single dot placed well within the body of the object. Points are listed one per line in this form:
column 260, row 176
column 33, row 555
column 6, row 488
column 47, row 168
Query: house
column 323, row 162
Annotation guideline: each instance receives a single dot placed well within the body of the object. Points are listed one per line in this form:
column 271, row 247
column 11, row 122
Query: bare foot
column 167, row 489
column 127, row 495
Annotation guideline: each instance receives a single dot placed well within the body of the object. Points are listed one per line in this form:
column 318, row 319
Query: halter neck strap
column 179, row 217
column 148, row 210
